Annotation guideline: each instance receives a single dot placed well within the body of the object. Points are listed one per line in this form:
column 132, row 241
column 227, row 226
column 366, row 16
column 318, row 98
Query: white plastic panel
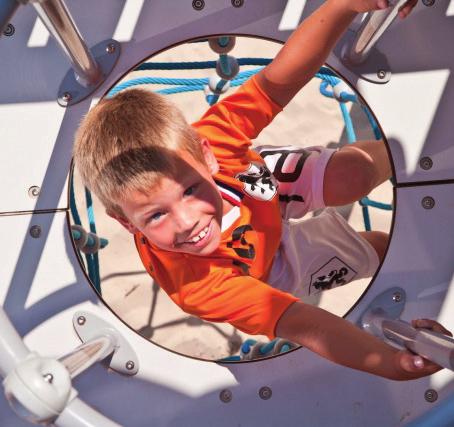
column 41, row 283
column 415, row 107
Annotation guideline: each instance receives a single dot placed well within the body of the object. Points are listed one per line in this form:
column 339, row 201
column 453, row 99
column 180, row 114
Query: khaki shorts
column 320, row 253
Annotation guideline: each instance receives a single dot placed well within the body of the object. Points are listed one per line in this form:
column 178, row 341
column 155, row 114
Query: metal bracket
column 375, row 70
column 389, row 304
column 71, row 91
column 88, row 326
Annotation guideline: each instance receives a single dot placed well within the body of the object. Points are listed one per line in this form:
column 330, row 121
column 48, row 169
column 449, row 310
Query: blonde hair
column 128, row 142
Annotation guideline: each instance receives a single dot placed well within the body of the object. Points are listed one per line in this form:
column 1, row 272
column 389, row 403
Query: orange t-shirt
column 229, row 284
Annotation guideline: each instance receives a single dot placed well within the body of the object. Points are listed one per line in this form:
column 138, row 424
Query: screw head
column 198, row 4
column 428, row 202
column 9, row 30
column 35, row 231
column 381, row 74
column 49, row 378
column 34, row 191
column 428, row 2
column 237, row 3
column 226, row 396
column 426, row 163
column 66, row 97
column 397, row 297
column 110, row 48
column 130, row 365
column 431, row 395
column 265, row 393
column 81, row 320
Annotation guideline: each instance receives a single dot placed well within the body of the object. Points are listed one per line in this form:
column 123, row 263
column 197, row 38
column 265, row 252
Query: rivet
column 428, row 2
column 35, row 231
column 110, row 48
column 397, row 297
column 81, row 320
column 265, row 393
column 66, row 97
column 430, row 395
column 49, row 378
column 198, row 4
column 33, row 191
column 237, row 3
column 226, row 396
column 381, row 74
column 426, row 163
column 428, row 202
column 9, row 30
column 130, row 365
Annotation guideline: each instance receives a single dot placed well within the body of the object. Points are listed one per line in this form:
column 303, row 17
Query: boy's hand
column 415, row 364
column 361, row 6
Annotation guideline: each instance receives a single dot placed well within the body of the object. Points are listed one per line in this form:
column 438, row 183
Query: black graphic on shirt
column 258, row 181
column 241, row 246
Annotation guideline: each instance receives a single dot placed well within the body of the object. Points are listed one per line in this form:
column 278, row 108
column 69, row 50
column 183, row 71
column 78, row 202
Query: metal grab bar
column 60, row 24
column 433, row 346
column 370, row 31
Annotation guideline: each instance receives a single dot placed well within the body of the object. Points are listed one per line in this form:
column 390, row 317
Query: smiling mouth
column 199, row 236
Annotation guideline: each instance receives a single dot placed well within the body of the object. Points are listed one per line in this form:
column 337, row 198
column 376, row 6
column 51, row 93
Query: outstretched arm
column 308, row 47
column 338, row 340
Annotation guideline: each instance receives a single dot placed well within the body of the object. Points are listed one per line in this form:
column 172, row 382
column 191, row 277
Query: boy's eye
column 190, row 190
column 156, row 216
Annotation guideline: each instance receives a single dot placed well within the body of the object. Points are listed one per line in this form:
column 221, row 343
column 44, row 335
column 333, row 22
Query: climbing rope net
column 228, row 75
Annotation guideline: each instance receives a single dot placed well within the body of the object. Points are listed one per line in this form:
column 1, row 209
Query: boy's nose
column 185, row 221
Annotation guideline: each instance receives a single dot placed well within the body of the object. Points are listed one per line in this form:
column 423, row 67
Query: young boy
column 207, row 213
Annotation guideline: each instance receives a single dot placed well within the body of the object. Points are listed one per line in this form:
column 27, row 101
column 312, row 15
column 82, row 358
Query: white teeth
column 200, row 236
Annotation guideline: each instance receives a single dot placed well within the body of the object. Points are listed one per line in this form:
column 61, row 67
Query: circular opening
column 311, row 119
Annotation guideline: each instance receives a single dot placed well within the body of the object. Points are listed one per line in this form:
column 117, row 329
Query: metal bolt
column 66, row 97
column 428, row 202
column 431, row 395
column 381, row 74
column 397, row 297
column 198, row 4
column 81, row 320
column 110, row 48
column 426, row 163
column 226, row 396
column 35, row 231
column 428, row 2
column 265, row 393
column 130, row 365
column 33, row 191
column 237, row 3
column 49, row 378
column 9, row 30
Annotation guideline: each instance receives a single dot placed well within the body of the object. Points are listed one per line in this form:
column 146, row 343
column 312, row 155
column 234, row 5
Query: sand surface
column 310, row 119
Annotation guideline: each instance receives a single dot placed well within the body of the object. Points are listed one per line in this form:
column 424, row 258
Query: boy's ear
column 210, row 159
column 123, row 221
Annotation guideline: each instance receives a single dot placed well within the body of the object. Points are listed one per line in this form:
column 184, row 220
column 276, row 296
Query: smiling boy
column 209, row 214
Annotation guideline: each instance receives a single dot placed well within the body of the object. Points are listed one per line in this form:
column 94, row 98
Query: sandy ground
column 310, row 119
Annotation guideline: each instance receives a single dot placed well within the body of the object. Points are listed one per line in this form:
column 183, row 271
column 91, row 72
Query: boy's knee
column 350, row 175
column 379, row 241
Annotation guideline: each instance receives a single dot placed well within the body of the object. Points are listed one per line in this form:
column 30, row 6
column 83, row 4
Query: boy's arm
column 338, row 340
column 310, row 44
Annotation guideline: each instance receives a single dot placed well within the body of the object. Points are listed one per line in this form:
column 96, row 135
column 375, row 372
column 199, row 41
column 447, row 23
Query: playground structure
column 46, row 295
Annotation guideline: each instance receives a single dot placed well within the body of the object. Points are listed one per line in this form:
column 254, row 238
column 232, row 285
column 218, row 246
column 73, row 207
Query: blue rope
column 351, row 135
column 187, row 85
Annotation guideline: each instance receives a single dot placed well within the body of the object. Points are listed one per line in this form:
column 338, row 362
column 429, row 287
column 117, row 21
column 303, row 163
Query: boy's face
column 182, row 214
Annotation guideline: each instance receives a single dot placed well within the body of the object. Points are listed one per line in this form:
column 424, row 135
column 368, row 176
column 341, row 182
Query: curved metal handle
column 434, row 346
column 370, row 31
